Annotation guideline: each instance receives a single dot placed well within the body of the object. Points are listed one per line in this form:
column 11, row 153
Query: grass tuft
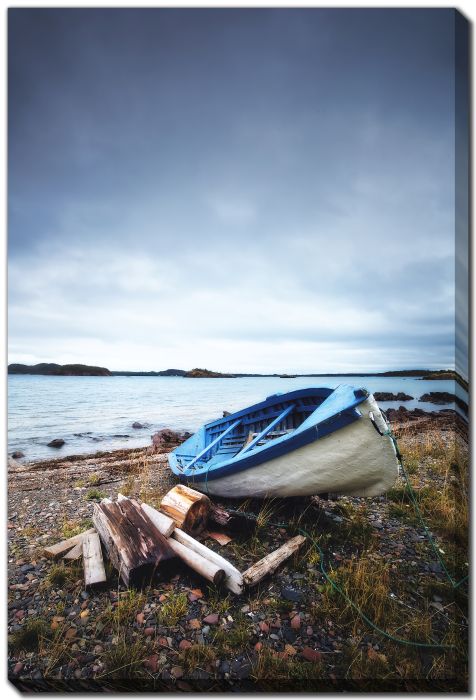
column 30, row 636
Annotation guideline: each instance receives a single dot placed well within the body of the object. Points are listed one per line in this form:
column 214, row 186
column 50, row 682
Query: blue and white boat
column 304, row 442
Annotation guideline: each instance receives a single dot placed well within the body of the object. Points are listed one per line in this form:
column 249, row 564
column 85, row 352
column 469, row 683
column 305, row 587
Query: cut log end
column 187, row 507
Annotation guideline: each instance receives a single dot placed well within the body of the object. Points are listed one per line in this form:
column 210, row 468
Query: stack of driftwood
column 141, row 541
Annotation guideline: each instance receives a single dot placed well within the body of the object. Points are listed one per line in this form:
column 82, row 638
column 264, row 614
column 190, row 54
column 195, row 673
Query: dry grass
column 444, row 499
column 129, row 604
column 198, row 656
column 267, row 665
column 173, row 609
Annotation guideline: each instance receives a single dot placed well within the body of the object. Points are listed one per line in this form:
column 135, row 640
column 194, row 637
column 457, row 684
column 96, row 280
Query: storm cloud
column 248, row 190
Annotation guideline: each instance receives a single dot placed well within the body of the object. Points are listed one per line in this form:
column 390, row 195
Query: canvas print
column 238, row 350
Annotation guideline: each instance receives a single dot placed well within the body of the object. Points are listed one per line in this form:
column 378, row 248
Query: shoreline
column 57, row 455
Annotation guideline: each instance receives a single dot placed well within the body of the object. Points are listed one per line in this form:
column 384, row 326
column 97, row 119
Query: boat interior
column 245, row 430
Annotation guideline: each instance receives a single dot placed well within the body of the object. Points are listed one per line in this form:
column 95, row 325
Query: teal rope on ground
column 398, row 640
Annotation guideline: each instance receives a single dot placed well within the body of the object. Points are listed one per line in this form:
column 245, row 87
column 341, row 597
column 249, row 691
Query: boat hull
column 355, row 460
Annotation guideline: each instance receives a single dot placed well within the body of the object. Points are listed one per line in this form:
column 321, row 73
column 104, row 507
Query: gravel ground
column 205, row 640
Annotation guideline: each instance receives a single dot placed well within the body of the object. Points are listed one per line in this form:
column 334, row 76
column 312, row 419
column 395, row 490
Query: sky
column 242, row 190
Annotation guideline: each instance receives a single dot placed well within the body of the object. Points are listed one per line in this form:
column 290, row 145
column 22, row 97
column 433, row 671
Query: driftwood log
column 233, row 520
column 187, row 507
column 270, row 563
column 198, row 563
column 194, row 559
column 162, row 522
column 233, row 578
column 134, row 545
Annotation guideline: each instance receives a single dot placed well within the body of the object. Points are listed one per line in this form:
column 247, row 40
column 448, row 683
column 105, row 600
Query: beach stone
column 291, row 594
column 57, row 442
column 18, row 454
column 211, row 619
column 184, row 644
column 152, row 663
column 311, row 654
column 296, row 622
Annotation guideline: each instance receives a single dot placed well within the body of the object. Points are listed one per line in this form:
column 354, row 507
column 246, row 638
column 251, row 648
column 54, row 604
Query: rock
column 184, row 644
column 57, row 442
column 152, row 663
column 438, row 397
column 296, row 622
column 211, row 619
column 140, row 618
column 291, row 594
column 163, row 439
column 138, row 426
column 290, row 650
column 311, row 654
column 27, row 567
column 241, row 669
column 176, row 671
column 388, row 396
column 264, row 627
column 18, row 668
column 149, row 631
column 18, row 454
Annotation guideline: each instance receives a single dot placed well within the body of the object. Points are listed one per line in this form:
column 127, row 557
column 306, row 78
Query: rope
column 398, row 640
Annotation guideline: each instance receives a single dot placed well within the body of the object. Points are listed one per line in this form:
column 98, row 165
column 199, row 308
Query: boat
column 300, row 443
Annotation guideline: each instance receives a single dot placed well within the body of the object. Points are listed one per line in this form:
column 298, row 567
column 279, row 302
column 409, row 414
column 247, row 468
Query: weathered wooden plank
column 233, row 578
column 270, row 563
column 134, row 545
column 94, row 572
column 58, row 550
column 187, row 507
column 75, row 553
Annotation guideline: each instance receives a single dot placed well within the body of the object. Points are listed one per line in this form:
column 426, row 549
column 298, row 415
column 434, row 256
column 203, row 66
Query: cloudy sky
column 248, row 190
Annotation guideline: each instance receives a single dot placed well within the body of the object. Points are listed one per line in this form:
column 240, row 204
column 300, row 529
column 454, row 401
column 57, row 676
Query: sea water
column 97, row 413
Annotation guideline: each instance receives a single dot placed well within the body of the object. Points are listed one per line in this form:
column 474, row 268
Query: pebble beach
column 293, row 631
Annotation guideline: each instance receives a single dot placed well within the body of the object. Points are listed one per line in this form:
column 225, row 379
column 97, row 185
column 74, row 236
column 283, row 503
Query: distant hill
column 50, row 368
column 198, row 373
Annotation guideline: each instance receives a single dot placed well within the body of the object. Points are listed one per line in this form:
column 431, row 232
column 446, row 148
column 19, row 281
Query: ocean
column 97, row 413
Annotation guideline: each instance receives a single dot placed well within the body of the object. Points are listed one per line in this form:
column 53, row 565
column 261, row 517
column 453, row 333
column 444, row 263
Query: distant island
column 198, row 373
column 52, row 369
